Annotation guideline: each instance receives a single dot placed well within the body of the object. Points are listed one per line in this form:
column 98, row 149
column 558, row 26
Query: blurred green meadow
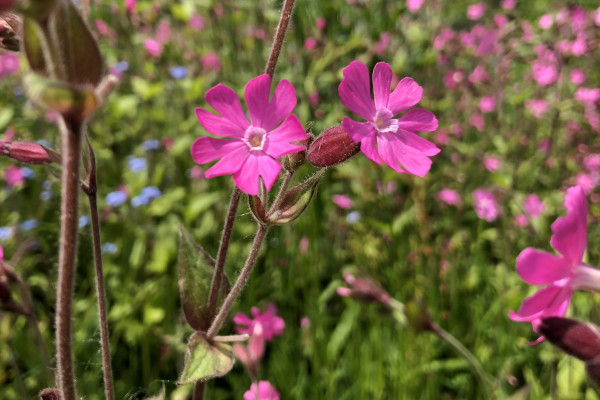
column 398, row 232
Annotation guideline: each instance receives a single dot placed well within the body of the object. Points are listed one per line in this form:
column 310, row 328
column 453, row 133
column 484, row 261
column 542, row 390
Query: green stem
column 282, row 191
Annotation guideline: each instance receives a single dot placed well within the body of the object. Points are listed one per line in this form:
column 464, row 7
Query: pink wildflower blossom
column 477, row 121
column 255, row 145
column 587, row 182
column 153, row 47
column 263, row 391
column 485, row 205
column 453, row 78
column 9, row 64
column 521, row 220
column 592, row 162
column 508, row 4
column 211, row 62
column 561, row 274
column 577, row 77
column 384, row 137
column 414, row 5
column 500, row 20
column 545, row 67
column 546, row 21
column 475, row 11
column 342, row 201
column 537, row 107
column 131, row 5
column 487, row 104
column 597, row 17
column 587, row 96
column 310, row 43
column 534, row 206
column 479, row 74
column 320, row 23
column 13, row 176
column 491, row 163
column 449, row 196
column 272, row 325
column 196, row 22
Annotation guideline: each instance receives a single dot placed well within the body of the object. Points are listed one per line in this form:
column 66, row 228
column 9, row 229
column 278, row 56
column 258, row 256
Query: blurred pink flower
column 272, row 325
column 383, row 137
column 592, row 162
column 382, row 44
column 263, row 391
column 320, row 23
column 521, row 220
column 508, row 4
column 477, row 121
column 545, row 67
column 491, row 163
column 9, row 64
column 587, row 95
column 476, row 11
column 587, row 182
column 153, row 47
column 534, row 206
column 546, row 21
column 196, row 173
column 449, row 196
column 577, row 77
column 579, row 47
column 211, row 62
column 487, row 104
column 310, row 43
column 414, row 5
column 342, row 201
column 131, row 5
column 500, row 20
column 597, row 17
column 562, row 274
column 163, row 32
column 196, row 22
column 303, row 245
column 527, row 31
column 453, row 78
column 13, row 176
column 592, row 116
column 255, row 145
column 537, row 107
column 442, row 38
column 485, row 205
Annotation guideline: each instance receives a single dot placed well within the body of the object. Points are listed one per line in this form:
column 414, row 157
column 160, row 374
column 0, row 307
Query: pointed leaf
column 32, row 43
column 196, row 269
column 295, row 201
column 256, row 208
column 205, row 360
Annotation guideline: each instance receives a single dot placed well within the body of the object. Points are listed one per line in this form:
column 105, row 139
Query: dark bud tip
column 332, row 147
column 292, row 162
column 364, row 289
column 581, row 340
column 50, row 394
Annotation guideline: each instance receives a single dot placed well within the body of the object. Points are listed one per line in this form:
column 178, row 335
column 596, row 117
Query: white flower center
column 384, row 122
column 255, row 137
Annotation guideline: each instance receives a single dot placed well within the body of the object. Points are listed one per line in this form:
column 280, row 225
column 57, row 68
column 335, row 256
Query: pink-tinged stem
column 71, row 137
column 284, row 21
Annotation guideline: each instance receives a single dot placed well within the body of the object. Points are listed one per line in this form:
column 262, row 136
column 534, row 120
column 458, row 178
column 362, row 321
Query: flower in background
column 546, row 21
column 109, row 248
column 545, row 67
column 178, row 72
column 342, row 201
column 587, row 182
column 587, row 96
column 449, row 196
column 303, row 245
column 251, row 153
column 9, row 64
column 475, row 11
column 211, row 62
column 13, row 176
column 6, row 232
column 592, row 162
column 383, row 137
column 196, row 22
column 263, row 391
column 353, row 217
column 491, row 163
column 163, row 32
column 521, row 220
column 147, row 194
column 131, row 5
column 508, row 4
column 534, row 206
column 136, row 164
column 577, row 76
column 487, row 104
column 479, row 75
column 84, row 220
column 485, row 205
column 115, row 199
column 272, row 325
column 29, row 225
column 310, row 43
column 196, row 173
column 320, row 23
column 414, row 5
column 453, row 78
column 151, row 144
column 537, row 107
column 561, row 274
column 153, row 47
column 477, row 121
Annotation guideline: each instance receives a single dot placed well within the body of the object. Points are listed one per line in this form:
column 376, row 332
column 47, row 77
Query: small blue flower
column 115, row 199
column 45, row 195
column 151, row 192
column 6, row 233
column 353, row 217
column 139, row 201
column 109, row 248
column 122, row 66
column 18, row 91
column 83, row 221
column 28, row 173
column 29, row 225
column 44, row 143
column 47, row 185
column 152, row 144
column 136, row 164
column 178, row 72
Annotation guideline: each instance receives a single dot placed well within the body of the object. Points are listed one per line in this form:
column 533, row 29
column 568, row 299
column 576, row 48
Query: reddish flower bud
column 50, row 394
column 27, row 152
column 364, row 289
column 332, row 147
column 579, row 339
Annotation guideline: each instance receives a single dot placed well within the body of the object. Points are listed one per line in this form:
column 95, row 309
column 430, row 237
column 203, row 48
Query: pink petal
column 242, row 319
column 386, row 145
column 537, row 267
column 570, row 235
column 246, row 178
column 355, row 91
column 226, row 102
column 551, row 301
column 281, row 105
column 418, row 143
column 418, row 120
column 290, row 130
column 382, row 79
column 229, row 163
column 269, row 170
column 414, row 161
column 217, row 125
column 257, row 99
column 406, row 94
column 363, row 133
column 206, row 149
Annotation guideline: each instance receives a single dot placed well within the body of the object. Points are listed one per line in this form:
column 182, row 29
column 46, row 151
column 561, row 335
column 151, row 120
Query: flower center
column 255, row 137
column 384, row 122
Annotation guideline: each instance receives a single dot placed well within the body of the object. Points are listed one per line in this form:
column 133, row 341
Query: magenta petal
column 206, row 149
column 418, row 120
column 257, row 99
column 363, row 133
column 570, row 232
column 382, row 79
column 217, row 125
column 225, row 101
column 290, row 130
column 281, row 105
column 537, row 267
column 551, row 301
column 246, row 178
column 242, row 319
column 414, row 161
column 386, row 145
column 418, row 143
column 355, row 91
column 406, row 94
column 269, row 170
column 229, row 163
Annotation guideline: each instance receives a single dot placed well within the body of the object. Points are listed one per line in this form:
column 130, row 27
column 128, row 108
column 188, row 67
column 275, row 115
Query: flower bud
column 27, row 152
column 581, row 340
column 292, row 162
column 364, row 289
column 50, row 394
column 332, row 147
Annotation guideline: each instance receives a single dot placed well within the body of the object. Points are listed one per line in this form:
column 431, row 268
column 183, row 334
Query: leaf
column 195, row 268
column 295, row 201
column 205, row 360
column 33, row 45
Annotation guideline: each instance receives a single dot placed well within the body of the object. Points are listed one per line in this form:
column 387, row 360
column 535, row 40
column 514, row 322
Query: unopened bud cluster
column 332, row 147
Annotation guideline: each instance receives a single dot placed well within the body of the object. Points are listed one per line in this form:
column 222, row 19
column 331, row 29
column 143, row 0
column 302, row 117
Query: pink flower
column 537, row 107
column 475, row 11
column 153, row 47
column 320, row 23
column 597, row 17
column 271, row 324
column 13, row 176
column 487, row 104
column 500, row 20
column 196, row 22
column 491, row 163
column 211, row 62
column 255, row 145
column 453, row 78
column 561, row 274
column 263, row 391
column 485, row 205
column 477, row 121
column 587, row 182
column 342, row 201
column 163, row 32
column 131, row 5
column 521, row 220
column 414, row 5
column 545, row 67
column 479, row 75
column 384, row 137
column 587, row 96
column 577, row 77
column 310, row 43
column 508, row 4
column 303, row 245
column 546, row 21
column 449, row 196
column 534, row 206
column 592, row 162
column 9, row 64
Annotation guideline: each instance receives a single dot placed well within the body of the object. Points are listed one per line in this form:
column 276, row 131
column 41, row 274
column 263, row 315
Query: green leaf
column 205, row 360
column 196, row 269
column 6, row 115
column 33, row 45
column 295, row 201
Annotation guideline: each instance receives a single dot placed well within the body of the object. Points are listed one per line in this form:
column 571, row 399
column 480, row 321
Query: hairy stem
column 282, row 191
column 284, row 20
column 71, row 132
